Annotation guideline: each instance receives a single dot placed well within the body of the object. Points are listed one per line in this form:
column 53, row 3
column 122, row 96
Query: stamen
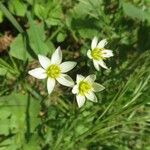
column 53, row 71
column 84, row 87
column 96, row 54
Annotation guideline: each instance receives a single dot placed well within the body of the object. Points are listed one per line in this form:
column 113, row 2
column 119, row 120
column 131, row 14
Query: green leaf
column 4, row 126
column 33, row 144
column 10, row 17
column 19, row 116
column 6, row 69
column 17, row 48
column 87, row 33
column 21, row 111
column 31, row 2
column 3, row 71
column 40, row 11
column 36, row 35
column 135, row 12
column 17, row 7
column 37, row 43
column 49, row 12
column 84, row 8
column 87, row 28
column 61, row 37
column 1, row 16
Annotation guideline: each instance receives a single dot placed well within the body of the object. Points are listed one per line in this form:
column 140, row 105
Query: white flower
column 98, row 53
column 85, row 88
column 54, row 70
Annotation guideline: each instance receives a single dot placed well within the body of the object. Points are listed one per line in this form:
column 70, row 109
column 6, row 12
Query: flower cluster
column 55, row 70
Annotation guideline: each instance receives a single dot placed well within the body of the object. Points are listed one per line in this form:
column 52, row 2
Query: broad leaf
column 17, row 7
column 17, row 48
column 135, row 12
column 19, row 115
column 36, row 35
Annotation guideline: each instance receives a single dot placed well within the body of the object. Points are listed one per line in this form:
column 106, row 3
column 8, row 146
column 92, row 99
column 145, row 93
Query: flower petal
column 96, row 65
column 75, row 89
column 107, row 53
column 67, row 66
column 65, row 80
column 50, row 85
column 79, row 78
column 91, row 96
column 98, row 87
column 94, row 42
column 102, row 64
column 102, row 43
column 44, row 61
column 89, row 54
column 38, row 73
column 80, row 100
column 57, row 56
column 91, row 78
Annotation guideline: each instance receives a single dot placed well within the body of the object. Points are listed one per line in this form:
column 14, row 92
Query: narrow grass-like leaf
column 11, row 18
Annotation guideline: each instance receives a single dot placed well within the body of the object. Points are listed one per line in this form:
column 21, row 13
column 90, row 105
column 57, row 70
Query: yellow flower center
column 96, row 53
column 84, row 87
column 53, row 71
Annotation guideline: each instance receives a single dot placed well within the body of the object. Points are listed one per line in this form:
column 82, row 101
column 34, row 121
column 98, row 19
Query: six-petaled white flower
column 98, row 53
column 52, row 69
column 85, row 88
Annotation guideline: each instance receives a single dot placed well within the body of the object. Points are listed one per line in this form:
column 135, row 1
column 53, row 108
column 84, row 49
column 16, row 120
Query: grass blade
column 11, row 18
